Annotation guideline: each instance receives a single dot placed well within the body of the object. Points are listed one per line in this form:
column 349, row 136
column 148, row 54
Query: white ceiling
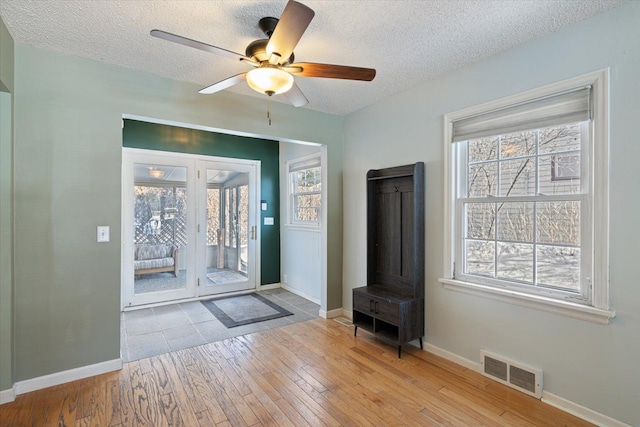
column 406, row 41
column 178, row 174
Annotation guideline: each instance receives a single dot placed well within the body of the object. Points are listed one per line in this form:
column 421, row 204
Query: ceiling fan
column 272, row 58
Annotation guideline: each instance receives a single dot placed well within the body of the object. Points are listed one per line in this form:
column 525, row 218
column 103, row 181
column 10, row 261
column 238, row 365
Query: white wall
column 300, row 249
column 595, row 366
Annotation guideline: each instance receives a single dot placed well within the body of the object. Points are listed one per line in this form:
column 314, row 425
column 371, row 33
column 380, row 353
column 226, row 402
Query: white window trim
column 303, row 225
column 599, row 311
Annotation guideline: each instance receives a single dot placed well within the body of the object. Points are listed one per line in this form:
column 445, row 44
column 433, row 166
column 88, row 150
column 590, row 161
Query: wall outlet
column 284, row 278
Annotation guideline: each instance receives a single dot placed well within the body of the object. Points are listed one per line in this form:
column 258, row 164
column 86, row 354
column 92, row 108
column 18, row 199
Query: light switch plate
column 263, row 206
column 268, row 220
column 103, row 233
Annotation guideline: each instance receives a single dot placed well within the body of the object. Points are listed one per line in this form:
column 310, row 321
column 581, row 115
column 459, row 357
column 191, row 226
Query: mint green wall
column 6, row 59
column 151, row 136
column 68, row 155
column 595, row 366
column 6, row 208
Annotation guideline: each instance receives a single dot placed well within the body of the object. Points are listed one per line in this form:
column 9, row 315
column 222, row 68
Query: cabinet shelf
column 364, row 321
column 389, row 336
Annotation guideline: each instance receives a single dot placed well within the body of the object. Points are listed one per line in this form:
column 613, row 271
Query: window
column 213, row 215
column 527, row 212
column 305, row 188
column 565, row 167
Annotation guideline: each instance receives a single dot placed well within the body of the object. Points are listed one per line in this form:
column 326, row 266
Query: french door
column 228, row 263
column 189, row 226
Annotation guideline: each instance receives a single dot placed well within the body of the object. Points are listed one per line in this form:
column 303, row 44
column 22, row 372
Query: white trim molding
column 551, row 399
column 452, row 357
column 330, row 314
column 550, row 305
column 581, row 411
column 7, row 396
column 58, row 378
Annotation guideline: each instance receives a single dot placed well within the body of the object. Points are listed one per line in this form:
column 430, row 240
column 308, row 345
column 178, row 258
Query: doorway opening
column 189, row 226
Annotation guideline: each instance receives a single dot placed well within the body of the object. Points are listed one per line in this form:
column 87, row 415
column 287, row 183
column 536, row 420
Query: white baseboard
column 50, row 380
column 330, row 314
column 300, row 293
column 581, row 411
column 446, row 354
column 548, row 398
column 7, row 396
column 347, row 313
column 270, row 286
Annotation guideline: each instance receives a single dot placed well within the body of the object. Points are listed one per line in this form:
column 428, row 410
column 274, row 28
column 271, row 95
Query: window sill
column 563, row 308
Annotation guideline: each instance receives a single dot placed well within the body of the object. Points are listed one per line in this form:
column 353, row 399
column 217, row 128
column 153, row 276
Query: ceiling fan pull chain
column 269, row 110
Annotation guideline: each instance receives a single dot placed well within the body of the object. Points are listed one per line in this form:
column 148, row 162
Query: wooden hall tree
column 391, row 306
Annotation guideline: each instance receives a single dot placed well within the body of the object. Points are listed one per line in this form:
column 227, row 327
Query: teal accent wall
column 152, row 136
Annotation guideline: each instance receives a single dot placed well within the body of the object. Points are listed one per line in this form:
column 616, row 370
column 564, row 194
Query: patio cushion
column 150, row 252
column 152, row 263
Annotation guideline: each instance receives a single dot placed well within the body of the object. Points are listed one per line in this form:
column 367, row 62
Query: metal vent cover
column 522, row 378
column 515, row 375
column 495, row 368
column 343, row 321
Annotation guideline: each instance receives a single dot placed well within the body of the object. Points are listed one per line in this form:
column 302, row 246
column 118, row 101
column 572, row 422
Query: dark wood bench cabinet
column 391, row 306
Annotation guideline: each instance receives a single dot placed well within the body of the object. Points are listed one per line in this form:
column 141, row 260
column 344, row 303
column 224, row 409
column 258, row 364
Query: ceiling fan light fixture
column 156, row 173
column 269, row 79
column 274, row 57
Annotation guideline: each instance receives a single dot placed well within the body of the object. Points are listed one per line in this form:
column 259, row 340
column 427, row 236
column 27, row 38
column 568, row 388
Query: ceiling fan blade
column 295, row 96
column 224, row 84
column 199, row 45
column 330, row 71
column 295, row 19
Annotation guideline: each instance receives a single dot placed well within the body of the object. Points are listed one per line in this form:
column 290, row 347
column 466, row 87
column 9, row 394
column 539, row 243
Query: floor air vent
column 343, row 321
column 523, row 378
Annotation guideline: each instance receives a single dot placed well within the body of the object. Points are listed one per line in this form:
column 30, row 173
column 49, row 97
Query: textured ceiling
column 406, row 41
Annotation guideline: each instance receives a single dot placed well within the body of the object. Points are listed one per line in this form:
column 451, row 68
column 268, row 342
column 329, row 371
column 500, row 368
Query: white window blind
column 304, row 164
column 567, row 107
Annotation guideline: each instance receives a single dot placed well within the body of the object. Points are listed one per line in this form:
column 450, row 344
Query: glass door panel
column 160, row 238
column 230, row 244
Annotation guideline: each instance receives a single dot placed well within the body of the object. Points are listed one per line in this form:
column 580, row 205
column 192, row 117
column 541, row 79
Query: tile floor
column 152, row 331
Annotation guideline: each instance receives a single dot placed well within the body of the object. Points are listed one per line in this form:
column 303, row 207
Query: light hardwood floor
column 309, row 373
